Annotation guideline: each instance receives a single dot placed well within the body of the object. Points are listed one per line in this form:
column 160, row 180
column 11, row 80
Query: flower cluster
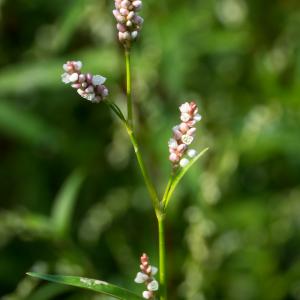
column 88, row 86
column 128, row 22
column 183, row 135
column 147, row 276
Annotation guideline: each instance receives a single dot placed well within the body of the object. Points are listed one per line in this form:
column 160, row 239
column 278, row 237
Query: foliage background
column 72, row 199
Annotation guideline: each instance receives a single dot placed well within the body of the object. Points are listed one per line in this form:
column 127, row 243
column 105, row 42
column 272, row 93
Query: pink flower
column 128, row 22
column 88, row 86
column 183, row 135
column 146, row 276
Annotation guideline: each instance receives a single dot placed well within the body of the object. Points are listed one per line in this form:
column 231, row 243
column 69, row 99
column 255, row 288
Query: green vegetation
column 72, row 199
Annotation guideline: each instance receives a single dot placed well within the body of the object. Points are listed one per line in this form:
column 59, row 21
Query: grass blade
column 90, row 284
column 64, row 204
column 177, row 177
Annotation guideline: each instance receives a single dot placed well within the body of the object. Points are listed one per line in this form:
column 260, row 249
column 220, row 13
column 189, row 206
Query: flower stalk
column 182, row 157
column 162, row 257
column 128, row 88
column 150, row 186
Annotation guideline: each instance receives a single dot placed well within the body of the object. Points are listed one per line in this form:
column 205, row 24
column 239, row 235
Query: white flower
column 191, row 153
column 185, row 107
column 140, row 277
column 137, row 4
column 197, row 117
column 184, row 162
column 185, row 117
column 65, row 67
column 134, row 34
column 73, row 77
column 81, row 92
column 90, row 97
column 78, row 65
column 172, row 143
column 153, row 270
column 152, row 286
column 187, row 139
column 98, row 80
column 65, row 77
column 147, row 294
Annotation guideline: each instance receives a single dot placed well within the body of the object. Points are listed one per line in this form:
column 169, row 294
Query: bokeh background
column 72, row 199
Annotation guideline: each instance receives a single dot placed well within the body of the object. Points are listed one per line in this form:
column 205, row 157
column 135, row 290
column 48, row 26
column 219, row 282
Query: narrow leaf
column 90, row 284
column 177, row 177
column 25, row 126
column 115, row 108
column 64, row 203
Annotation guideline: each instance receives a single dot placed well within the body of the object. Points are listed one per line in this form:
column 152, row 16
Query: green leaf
column 90, row 284
column 25, row 126
column 68, row 25
column 64, row 203
column 175, row 179
column 115, row 108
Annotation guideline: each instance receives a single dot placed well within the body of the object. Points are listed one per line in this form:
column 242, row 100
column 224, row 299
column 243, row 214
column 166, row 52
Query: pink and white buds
column 128, row 22
column 88, row 86
column 183, row 135
column 146, row 276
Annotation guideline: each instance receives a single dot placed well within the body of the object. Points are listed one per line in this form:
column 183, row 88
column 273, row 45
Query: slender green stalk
column 157, row 205
column 162, row 258
column 148, row 181
column 128, row 88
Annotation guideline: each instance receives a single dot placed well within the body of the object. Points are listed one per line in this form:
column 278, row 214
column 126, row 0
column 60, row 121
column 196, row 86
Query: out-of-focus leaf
column 177, row 177
column 31, row 76
column 64, row 203
column 25, row 126
column 90, row 284
column 68, row 25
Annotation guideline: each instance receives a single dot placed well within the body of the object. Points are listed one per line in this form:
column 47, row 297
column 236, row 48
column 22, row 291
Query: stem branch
column 162, row 258
column 128, row 88
column 157, row 205
column 148, row 181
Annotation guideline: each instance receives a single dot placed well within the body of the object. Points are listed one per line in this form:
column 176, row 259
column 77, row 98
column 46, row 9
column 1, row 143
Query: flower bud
column 88, row 86
column 128, row 22
column 183, row 135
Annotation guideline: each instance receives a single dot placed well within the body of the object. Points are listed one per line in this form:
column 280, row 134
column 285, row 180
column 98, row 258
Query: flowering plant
column 182, row 157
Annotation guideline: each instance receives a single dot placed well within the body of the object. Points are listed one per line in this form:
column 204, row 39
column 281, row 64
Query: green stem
column 157, row 205
column 148, row 182
column 162, row 258
column 128, row 88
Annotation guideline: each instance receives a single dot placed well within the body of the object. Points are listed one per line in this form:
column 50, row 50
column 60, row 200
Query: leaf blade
column 177, row 178
column 90, row 284
column 65, row 202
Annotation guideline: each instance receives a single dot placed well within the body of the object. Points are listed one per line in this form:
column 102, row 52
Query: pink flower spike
column 88, row 86
column 183, row 135
column 128, row 21
column 146, row 276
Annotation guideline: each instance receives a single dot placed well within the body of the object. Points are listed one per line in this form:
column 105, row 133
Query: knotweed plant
column 181, row 156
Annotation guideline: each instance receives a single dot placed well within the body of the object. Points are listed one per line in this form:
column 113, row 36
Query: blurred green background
column 72, row 198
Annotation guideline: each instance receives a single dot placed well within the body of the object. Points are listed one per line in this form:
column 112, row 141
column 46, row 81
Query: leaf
column 115, row 108
column 90, row 284
column 173, row 182
column 68, row 25
column 23, row 78
column 64, row 203
column 25, row 126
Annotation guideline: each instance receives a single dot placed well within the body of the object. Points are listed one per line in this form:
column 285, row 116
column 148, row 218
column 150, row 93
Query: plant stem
column 148, row 181
column 157, row 205
column 162, row 258
column 128, row 88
